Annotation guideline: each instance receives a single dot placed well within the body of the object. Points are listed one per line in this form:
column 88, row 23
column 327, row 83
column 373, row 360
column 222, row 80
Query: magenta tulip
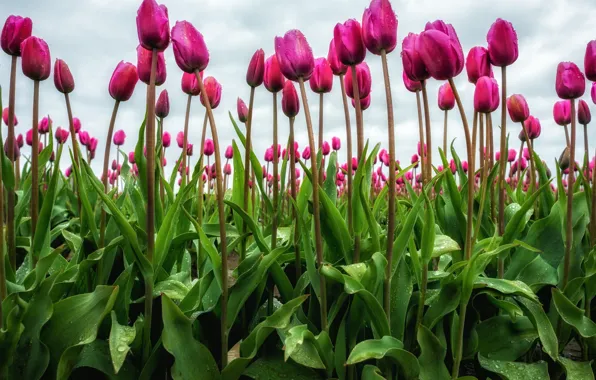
column 35, row 59
column 213, row 90
column 511, row 154
column 583, row 113
column 364, row 80
column 446, row 97
column 335, row 143
column 364, row 102
column 5, row 117
column 131, row 157
column 153, row 26
column 273, row 79
column 83, row 138
column 290, row 104
column 321, row 80
column 119, row 137
column 162, row 106
column 486, row 95
column 502, row 43
column 306, row 153
column 16, row 30
column 256, row 69
column 441, row 50
column 570, row 83
column 379, row 27
column 144, row 66
column 76, row 123
column 562, row 112
column 208, row 148
column 349, row 45
column 180, row 140
column 63, row 79
column 294, row 55
column 190, row 84
column 229, row 152
column 478, row 64
column 337, row 67
column 61, row 135
column 533, row 127
column 123, row 81
column 518, row 108
column 44, row 125
column 190, row 51
column 590, row 61
column 414, row 66
column 411, row 85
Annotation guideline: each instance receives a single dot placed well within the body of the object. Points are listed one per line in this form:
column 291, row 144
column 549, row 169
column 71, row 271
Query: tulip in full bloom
column 208, row 148
column 162, row 106
column 123, row 81
column 16, row 29
column 486, row 95
column 290, row 104
column 321, row 80
column 190, row 51
column 478, row 64
column 562, row 112
column 242, row 110
column 363, row 78
column 153, row 25
column 379, row 27
column 63, row 79
column 446, row 97
column 5, row 117
column 441, row 50
column 502, row 43
column 61, row 135
column 35, row 59
column 294, row 55
column 119, row 137
column 518, row 108
column 144, row 66
column 570, row 83
column 166, row 139
column 337, row 67
column 213, row 90
column 349, row 44
column 335, row 143
column 256, row 69
column 583, row 113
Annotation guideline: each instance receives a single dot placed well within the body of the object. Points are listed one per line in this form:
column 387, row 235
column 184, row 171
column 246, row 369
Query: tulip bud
column 526, row 153
column 229, row 152
column 441, row 50
column 562, row 112
column 190, row 84
column 16, row 30
column 321, row 80
column 76, row 124
column 590, row 61
column 144, row 58
column 446, row 97
column 5, row 117
column 61, row 135
column 570, row 83
column 153, row 26
column 213, row 91
column 478, row 64
column 502, row 43
column 63, row 79
column 348, row 42
column 44, row 125
column 486, row 95
column 511, row 155
column 420, row 150
column 364, row 102
column 242, row 110
column 518, row 108
column 268, row 155
column 35, row 60
column 415, row 160
column 208, row 148
column 119, row 137
column 306, row 153
column 83, row 138
column 189, row 149
column 414, row 66
column 166, row 139
column 162, row 107
column 337, row 67
column 379, row 27
column 256, row 69
column 190, row 51
column 326, row 149
column 411, row 85
column 290, row 104
column 16, row 151
column 123, row 81
column 114, row 165
column 583, row 113
column 19, row 139
column 294, row 55
column 273, row 78
column 68, row 172
column 565, row 159
column 532, row 125
column 364, row 80
column 180, row 139
column 131, row 157
column 92, row 144
column 227, row 169
column 335, row 143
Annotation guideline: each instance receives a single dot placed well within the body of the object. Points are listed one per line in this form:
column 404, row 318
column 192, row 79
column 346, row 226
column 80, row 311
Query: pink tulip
column 502, row 43
column 189, row 149
column 364, row 102
column 335, row 143
column 562, row 112
column 242, row 110
column 131, row 157
column 269, row 154
column 5, row 117
column 518, row 108
column 290, row 104
column 162, row 107
column 180, row 139
column 256, row 69
column 63, row 79
column 415, row 160
column 166, row 139
column 337, row 67
column 379, row 27
column 363, row 78
column 411, row 85
column 273, row 78
column 446, row 97
column 227, row 169
column 119, row 137
column 16, row 29
column 306, row 153
column 533, row 127
column 35, row 59
column 511, row 155
column 326, row 149
column 44, row 125
column 590, row 61
column 153, row 26
column 213, row 90
column 570, row 83
column 208, row 148
column 123, row 81
column 61, row 135
column 83, row 138
column 321, row 80
column 190, row 51
column 414, row 66
column 76, row 124
column 294, row 55
column 190, row 84
column 441, row 50
column 348, row 42
column 486, row 95
column 478, row 64
column 144, row 58
column 583, row 113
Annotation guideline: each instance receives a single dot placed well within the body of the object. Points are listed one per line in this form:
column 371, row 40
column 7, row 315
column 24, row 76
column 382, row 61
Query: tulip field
column 320, row 260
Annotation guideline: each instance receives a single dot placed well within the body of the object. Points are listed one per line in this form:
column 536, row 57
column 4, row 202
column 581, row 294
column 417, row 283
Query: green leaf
column 506, row 287
column 386, row 347
column 191, row 357
column 500, row 338
column 370, row 372
column 302, row 346
column 120, row 339
column 573, row 315
column 428, row 232
column 401, row 292
column 432, row 356
column 547, row 335
column 577, row 370
column 275, row 368
column 514, row 370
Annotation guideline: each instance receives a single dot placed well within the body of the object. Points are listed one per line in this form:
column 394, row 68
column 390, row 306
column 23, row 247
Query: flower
column 63, row 79
column 570, row 83
column 379, row 27
column 321, row 80
column 502, row 43
column 123, row 82
column 518, row 108
column 213, row 91
column 349, row 44
column 144, row 58
column 162, row 107
column 478, row 64
column 119, row 137
column 290, row 104
column 294, row 55
column 562, row 112
column 446, row 97
column 16, row 30
column 486, row 95
column 441, row 50
column 35, row 59
column 242, row 110
column 363, row 79
column 190, row 51
column 153, row 25
column 256, row 69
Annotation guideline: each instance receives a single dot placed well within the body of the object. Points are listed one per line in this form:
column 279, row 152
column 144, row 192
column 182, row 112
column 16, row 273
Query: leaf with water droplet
column 120, row 339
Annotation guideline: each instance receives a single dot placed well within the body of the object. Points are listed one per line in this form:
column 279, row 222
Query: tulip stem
column 185, row 141
column 428, row 150
column 531, row 151
column 275, row 176
column 460, row 340
column 593, row 209
column 3, row 291
column 222, row 224
column 483, row 185
column 421, row 133
column 502, row 164
column 10, row 194
column 586, row 148
column 316, row 204
column 201, row 188
column 104, row 175
column 162, row 153
column 297, row 259
column 150, row 142
column 391, row 184
column 470, row 150
column 247, row 151
column 570, row 182
column 349, row 152
column 34, row 168
column 445, row 132
column 519, row 157
column 567, row 135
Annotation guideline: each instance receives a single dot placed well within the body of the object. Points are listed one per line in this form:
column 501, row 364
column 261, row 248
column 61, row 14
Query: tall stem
column 445, row 132
column 320, row 142
column 519, row 157
column 222, row 226
column 297, row 259
column 586, row 146
column 34, row 166
column 470, row 150
column 460, row 341
column 275, row 175
column 104, row 175
column 570, row 182
column 421, row 134
column 391, row 184
column 10, row 195
column 567, row 135
column 3, row 292
column 201, row 188
column 150, row 142
column 531, row 151
column 593, row 210
column 348, row 151
column 316, row 204
column 502, row 164
column 428, row 151
column 247, row 151
column 185, row 142
column 162, row 153
column 359, row 126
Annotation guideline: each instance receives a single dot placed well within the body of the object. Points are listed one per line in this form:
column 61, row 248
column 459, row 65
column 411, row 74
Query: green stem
column 460, row 341
column 297, row 259
column 274, row 220
column 34, row 167
column 10, row 194
column 428, row 151
column 421, row 136
column 570, row 183
column 502, row 164
column 247, row 151
column 104, row 175
column 422, row 296
column 349, row 153
column 445, row 132
column 185, row 142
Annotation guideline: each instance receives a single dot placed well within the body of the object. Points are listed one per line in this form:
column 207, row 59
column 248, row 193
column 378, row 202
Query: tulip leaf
column 515, row 370
column 386, row 347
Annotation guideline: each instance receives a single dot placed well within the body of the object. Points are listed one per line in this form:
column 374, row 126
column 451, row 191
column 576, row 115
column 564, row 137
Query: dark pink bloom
column 213, row 91
column 153, row 25
column 294, row 55
column 16, row 29
column 190, row 51
column 379, row 27
column 349, row 45
column 63, row 79
column 242, row 110
column 321, row 80
column 502, row 43
column 441, row 50
column 144, row 57
column 123, row 81
column 35, row 59
column 256, row 69
column 119, row 137
column 570, row 83
column 290, row 104
column 446, row 97
column 209, row 148
column 162, row 107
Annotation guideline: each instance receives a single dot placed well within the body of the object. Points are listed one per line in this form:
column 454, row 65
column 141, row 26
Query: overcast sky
column 92, row 36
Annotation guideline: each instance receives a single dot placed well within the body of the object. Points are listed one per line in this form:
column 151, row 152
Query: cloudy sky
column 92, row 36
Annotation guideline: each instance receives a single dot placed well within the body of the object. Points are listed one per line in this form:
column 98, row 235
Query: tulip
column 414, row 66
column 153, row 26
column 290, row 104
column 208, row 148
column 35, row 60
column 335, row 143
column 123, row 81
column 16, row 151
column 190, row 84
column 189, row 150
column 61, row 135
column 364, row 103
column 441, row 51
column 590, row 61
column 63, row 79
column 518, row 108
column 162, row 107
column 242, row 110
column 363, row 79
column 29, row 137
column 532, row 125
column 213, row 91
column 337, row 67
column 229, row 152
column 190, row 51
column 180, row 139
column 144, row 58
column 502, row 43
column 119, row 137
column 131, row 157
column 321, row 80
column 273, row 78
column 166, row 139
column 256, row 69
column 464, row 166
column 326, row 148
column 446, row 98
column 294, row 55
column 570, row 83
column 379, row 27
column 76, row 124
column 349, row 44
column 227, row 169
column 511, row 155
column 44, row 125
column 92, row 144
column 5, row 117
column 16, row 29
column 412, row 86
column 19, row 140
column 562, row 112
column 83, row 138
column 486, row 95
column 306, row 153
column 478, row 64
column 583, row 113
column 268, row 155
